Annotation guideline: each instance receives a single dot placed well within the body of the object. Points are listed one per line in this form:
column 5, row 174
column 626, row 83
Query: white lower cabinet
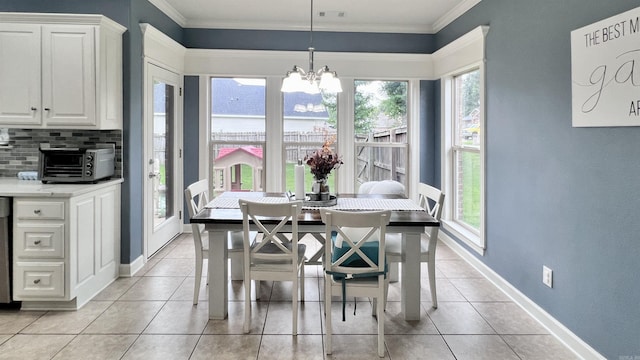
column 67, row 249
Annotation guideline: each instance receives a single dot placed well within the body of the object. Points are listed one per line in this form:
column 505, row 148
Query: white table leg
column 218, row 279
column 411, row 276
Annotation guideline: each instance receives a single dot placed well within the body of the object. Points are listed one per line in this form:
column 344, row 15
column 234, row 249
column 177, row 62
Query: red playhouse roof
column 255, row 151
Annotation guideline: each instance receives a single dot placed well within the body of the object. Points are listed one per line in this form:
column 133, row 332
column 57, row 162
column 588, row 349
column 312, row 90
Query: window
column 380, row 128
column 237, row 133
column 463, row 156
column 460, row 66
column 309, row 121
column 466, row 150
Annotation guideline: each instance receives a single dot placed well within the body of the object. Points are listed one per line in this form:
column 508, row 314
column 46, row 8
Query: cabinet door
column 20, row 95
column 68, row 75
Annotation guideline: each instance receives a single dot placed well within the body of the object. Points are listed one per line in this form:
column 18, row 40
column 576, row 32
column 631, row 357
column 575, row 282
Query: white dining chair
column 273, row 256
column 197, row 196
column 355, row 262
column 432, row 200
column 387, row 187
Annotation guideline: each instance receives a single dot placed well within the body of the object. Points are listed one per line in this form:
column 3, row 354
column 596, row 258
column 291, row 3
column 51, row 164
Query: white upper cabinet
column 60, row 71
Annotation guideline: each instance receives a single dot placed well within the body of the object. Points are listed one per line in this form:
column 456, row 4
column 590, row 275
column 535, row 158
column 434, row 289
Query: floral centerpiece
column 321, row 162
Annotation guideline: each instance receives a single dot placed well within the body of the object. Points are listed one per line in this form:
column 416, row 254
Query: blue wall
column 564, row 197
column 299, row 41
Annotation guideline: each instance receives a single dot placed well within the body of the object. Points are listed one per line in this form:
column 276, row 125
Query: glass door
column 163, row 200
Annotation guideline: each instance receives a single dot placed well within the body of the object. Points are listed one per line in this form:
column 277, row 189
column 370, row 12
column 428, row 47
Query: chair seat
column 273, row 249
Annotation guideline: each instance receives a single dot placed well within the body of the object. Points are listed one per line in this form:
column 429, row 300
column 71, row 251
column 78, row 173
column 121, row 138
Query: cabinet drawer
column 39, row 241
column 32, row 210
column 44, row 280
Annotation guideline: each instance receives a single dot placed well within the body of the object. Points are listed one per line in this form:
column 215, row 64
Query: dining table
column 223, row 214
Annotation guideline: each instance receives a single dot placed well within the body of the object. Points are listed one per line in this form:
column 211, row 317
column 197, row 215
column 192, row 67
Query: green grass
column 471, row 189
column 247, row 178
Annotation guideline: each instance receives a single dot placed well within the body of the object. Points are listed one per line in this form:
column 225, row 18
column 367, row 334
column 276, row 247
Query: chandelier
column 311, row 82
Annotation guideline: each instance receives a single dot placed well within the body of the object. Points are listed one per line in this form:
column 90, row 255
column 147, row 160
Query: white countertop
column 13, row 187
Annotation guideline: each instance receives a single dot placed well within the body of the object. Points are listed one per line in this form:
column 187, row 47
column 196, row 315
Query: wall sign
column 605, row 72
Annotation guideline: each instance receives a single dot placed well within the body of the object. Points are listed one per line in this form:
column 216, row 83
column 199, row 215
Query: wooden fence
column 381, row 156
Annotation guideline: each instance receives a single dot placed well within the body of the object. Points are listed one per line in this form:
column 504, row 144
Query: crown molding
column 453, row 14
column 51, row 18
column 170, row 11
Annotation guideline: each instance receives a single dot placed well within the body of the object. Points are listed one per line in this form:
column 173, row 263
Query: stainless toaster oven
column 76, row 165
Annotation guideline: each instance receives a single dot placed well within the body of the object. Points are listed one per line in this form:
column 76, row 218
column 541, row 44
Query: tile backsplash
column 22, row 152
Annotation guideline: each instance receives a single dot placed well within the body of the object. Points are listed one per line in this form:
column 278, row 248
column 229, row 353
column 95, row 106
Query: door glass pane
column 309, row 121
column 380, row 116
column 163, row 120
column 238, row 133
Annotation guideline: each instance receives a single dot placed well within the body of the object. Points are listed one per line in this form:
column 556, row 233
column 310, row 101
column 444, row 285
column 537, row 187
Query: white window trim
column 273, row 65
column 463, row 54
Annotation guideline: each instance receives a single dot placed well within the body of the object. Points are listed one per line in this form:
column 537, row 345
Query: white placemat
column 376, row 204
column 224, row 202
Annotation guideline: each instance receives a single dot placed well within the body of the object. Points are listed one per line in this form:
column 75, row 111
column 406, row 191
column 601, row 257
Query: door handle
column 153, row 175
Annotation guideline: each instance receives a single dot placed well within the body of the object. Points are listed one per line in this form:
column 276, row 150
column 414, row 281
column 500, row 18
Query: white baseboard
column 128, row 270
column 186, row 228
column 555, row 328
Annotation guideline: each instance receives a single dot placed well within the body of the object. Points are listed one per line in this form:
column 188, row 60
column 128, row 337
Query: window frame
column 459, row 57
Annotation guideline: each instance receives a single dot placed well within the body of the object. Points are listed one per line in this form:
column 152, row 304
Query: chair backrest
column 431, row 199
column 270, row 219
column 355, row 230
column 391, row 187
column 197, row 196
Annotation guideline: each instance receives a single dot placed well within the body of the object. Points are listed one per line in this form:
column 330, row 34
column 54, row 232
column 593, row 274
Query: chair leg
column 237, row 266
column 394, row 272
column 380, row 318
column 196, row 287
column 302, row 282
column 247, row 303
column 431, row 268
column 294, row 306
column 327, row 312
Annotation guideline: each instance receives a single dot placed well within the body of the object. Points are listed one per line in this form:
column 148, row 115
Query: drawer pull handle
column 37, row 211
column 37, row 242
column 36, row 281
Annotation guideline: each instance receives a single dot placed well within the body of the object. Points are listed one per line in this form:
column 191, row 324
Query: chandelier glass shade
column 311, row 81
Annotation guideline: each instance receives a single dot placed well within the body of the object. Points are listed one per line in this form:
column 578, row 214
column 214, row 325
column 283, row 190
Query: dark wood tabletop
column 312, row 216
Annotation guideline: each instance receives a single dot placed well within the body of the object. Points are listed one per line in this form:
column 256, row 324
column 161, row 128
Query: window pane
column 309, row 121
column 468, row 188
column 466, row 169
column 237, row 133
column 467, row 109
column 380, row 115
column 380, row 109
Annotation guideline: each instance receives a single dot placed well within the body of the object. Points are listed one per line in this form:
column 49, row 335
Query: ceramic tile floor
column 150, row 316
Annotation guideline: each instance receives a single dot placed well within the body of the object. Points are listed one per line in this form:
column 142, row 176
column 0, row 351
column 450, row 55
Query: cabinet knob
column 37, row 211
column 33, row 108
column 36, row 281
column 37, row 242
column 47, row 109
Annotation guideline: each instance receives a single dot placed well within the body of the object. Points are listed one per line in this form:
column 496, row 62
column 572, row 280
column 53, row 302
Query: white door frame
column 162, row 51
column 173, row 226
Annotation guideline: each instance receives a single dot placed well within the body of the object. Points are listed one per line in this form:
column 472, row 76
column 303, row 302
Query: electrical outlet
column 547, row 276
